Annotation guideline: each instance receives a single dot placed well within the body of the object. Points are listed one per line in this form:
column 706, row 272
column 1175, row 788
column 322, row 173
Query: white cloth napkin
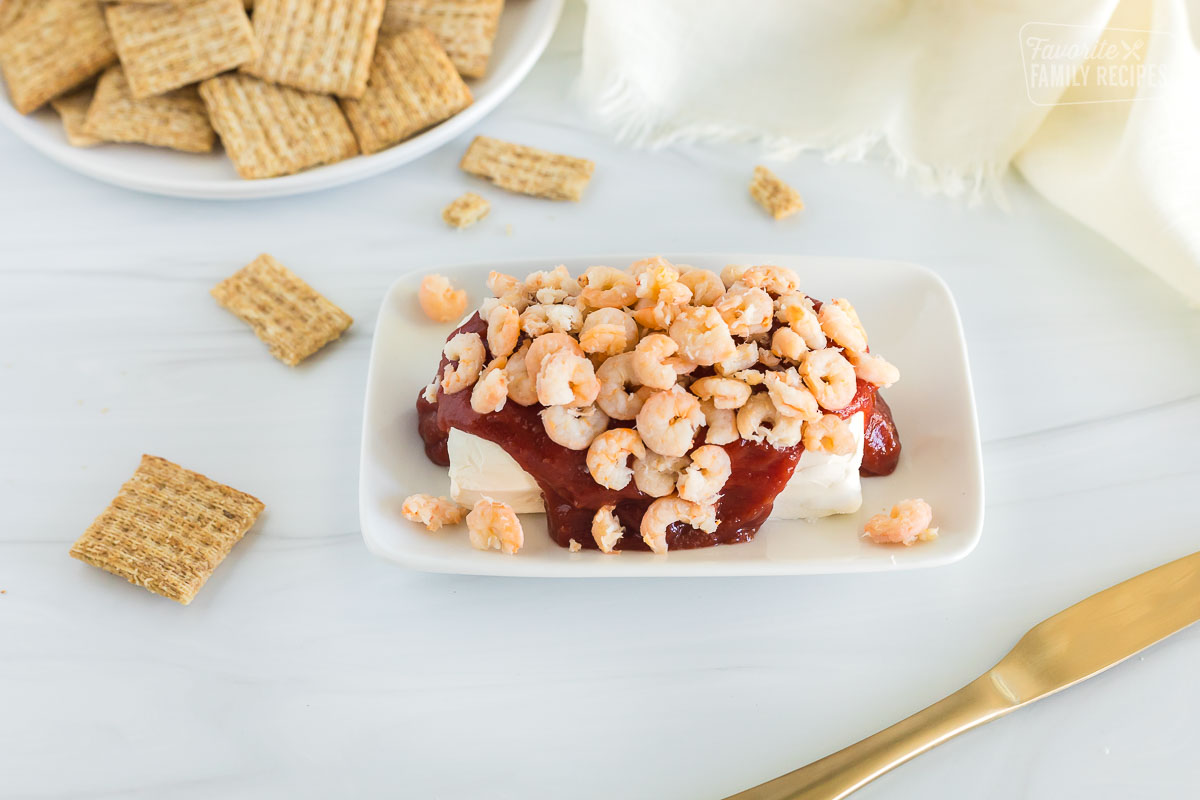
column 942, row 89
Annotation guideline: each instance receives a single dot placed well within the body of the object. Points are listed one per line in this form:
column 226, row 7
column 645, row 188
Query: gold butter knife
column 1072, row 646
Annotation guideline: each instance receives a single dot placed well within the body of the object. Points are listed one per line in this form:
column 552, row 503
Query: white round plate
column 525, row 29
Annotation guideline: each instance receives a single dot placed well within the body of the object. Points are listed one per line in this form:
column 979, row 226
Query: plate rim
column 316, row 179
column 514, row 568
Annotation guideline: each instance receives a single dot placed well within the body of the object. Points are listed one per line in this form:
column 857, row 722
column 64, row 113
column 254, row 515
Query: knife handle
column 837, row 775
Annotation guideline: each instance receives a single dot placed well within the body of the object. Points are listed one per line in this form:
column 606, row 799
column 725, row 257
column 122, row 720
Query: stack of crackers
column 290, row 85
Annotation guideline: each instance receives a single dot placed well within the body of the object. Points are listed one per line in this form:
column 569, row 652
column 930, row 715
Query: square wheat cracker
column 528, row 170
column 322, row 46
column 271, row 130
column 176, row 119
column 285, row 312
column 168, row 529
column 72, row 109
column 779, row 199
column 51, row 49
column 465, row 28
column 466, row 210
column 413, row 86
column 166, row 46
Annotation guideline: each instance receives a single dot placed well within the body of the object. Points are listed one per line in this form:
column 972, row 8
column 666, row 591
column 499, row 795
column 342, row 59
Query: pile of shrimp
column 630, row 365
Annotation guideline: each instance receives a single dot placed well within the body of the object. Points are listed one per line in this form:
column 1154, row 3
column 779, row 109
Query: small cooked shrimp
column 501, row 284
column 651, row 276
column 608, row 453
column 658, row 313
column 723, row 392
column 733, row 273
column 786, row 343
column 775, row 280
column 608, row 331
column 567, row 379
column 656, row 474
column 522, row 387
column 744, row 356
column 440, row 301
column 702, row 335
column 750, row 377
column 573, row 428
column 830, row 377
column 540, row 319
column 607, row 287
column 669, row 420
column 546, row 344
column 649, row 359
column 665, row 511
column 831, row 434
column 614, row 399
column 796, row 310
column 721, row 422
column 551, row 286
column 706, row 286
column 495, row 526
column 759, row 420
column 432, row 512
column 873, row 369
column 504, row 329
column 746, row 311
column 606, row 528
column 705, row 477
column 467, row 350
column 790, row 396
column 491, row 390
column 840, row 322
column 907, row 523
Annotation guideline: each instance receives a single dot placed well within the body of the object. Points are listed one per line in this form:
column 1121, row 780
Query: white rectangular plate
column 912, row 321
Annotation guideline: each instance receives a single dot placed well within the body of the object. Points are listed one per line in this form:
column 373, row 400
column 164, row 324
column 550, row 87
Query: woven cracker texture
column 465, row 28
column 51, row 49
column 271, row 130
column 292, row 318
column 168, row 529
column 166, row 46
column 413, row 86
column 528, row 170
column 176, row 119
column 322, row 46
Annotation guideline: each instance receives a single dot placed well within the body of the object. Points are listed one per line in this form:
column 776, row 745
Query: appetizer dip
column 658, row 407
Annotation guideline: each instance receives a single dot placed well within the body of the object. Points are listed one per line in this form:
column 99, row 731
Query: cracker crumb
column 779, row 199
column 574, row 546
column 466, row 210
column 508, row 230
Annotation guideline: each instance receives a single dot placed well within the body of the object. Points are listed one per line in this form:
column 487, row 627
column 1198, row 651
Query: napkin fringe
column 625, row 111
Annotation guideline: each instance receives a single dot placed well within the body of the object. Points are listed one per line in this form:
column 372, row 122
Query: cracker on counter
column 72, row 109
column 466, row 210
column 271, row 130
column 465, row 28
column 168, row 529
column 779, row 199
column 322, row 46
column 292, row 318
column 52, row 48
column 166, row 46
column 413, row 86
column 176, row 119
column 528, row 170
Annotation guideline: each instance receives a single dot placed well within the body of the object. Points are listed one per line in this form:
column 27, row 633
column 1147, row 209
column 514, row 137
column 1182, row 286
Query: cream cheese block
column 822, row 484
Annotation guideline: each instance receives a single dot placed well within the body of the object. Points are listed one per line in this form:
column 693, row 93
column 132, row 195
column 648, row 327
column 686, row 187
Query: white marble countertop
column 308, row 668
